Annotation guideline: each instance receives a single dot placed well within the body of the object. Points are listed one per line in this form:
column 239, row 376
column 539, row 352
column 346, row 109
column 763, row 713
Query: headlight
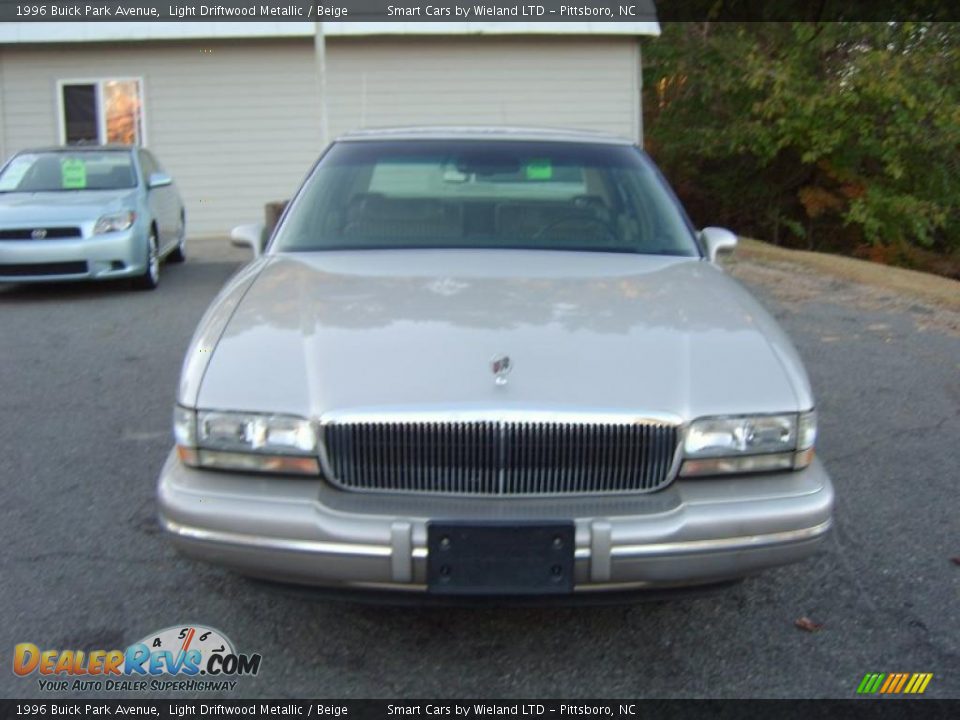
column 807, row 430
column 756, row 443
column 115, row 222
column 709, row 437
column 246, row 441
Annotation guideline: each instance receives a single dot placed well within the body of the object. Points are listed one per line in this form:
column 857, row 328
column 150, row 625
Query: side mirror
column 250, row 236
column 717, row 240
column 159, row 179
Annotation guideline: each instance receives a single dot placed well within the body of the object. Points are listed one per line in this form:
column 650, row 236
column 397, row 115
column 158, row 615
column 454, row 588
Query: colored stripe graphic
column 894, row 683
column 870, row 683
column 918, row 683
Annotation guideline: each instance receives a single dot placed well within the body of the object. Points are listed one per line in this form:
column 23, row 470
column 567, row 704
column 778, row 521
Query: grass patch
column 934, row 289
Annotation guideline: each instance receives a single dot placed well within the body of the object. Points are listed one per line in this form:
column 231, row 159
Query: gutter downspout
column 320, row 58
column 638, row 105
column 3, row 114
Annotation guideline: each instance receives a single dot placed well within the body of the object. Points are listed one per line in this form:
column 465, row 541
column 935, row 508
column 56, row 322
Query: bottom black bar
column 886, row 709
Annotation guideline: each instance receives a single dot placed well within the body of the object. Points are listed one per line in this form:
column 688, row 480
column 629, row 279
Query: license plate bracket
column 500, row 558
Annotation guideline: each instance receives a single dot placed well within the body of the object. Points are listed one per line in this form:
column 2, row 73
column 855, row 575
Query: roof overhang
column 483, row 132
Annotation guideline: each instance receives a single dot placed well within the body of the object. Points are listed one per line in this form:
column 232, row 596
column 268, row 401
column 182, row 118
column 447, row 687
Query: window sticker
column 73, row 174
column 540, row 169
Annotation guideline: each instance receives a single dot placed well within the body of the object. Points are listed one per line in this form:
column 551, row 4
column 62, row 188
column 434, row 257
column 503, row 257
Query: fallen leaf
column 807, row 624
column 955, row 560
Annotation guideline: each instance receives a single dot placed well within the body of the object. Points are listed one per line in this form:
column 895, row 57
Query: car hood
column 314, row 334
column 43, row 209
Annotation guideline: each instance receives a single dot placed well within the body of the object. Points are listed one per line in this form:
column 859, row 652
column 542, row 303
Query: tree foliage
column 824, row 135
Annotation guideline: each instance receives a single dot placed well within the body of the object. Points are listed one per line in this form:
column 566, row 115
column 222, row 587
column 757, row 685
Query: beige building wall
column 237, row 123
column 586, row 83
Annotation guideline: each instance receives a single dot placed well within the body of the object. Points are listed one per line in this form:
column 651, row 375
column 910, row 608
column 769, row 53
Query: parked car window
column 148, row 165
column 463, row 194
column 74, row 171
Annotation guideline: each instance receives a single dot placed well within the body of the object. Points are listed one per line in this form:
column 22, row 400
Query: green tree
column 829, row 135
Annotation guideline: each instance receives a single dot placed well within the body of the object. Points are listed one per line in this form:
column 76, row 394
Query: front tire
column 151, row 274
column 179, row 253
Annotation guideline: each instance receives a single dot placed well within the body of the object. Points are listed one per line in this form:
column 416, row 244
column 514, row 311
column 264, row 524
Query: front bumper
column 101, row 257
column 306, row 532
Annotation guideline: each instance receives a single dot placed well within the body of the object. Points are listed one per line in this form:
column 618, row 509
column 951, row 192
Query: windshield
column 66, row 171
column 486, row 194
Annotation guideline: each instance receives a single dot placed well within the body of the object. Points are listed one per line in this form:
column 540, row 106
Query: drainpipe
column 638, row 106
column 3, row 115
column 320, row 58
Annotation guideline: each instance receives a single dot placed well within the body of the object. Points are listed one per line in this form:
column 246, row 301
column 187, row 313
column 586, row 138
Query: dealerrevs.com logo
column 187, row 658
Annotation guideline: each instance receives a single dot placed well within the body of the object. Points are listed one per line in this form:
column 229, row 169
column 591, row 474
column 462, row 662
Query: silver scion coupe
column 490, row 361
column 88, row 213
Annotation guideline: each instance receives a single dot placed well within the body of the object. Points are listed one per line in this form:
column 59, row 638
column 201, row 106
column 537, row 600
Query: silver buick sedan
column 88, row 213
column 494, row 362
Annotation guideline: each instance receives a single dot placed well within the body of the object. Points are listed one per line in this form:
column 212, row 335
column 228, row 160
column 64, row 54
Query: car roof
column 467, row 132
column 77, row 148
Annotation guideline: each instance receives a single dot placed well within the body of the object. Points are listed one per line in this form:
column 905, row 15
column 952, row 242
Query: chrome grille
column 501, row 458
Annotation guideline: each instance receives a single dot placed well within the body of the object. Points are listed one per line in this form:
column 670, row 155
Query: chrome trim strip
column 326, row 467
column 412, row 588
column 493, row 414
column 502, row 458
column 601, row 533
column 612, row 587
column 271, row 543
column 401, row 536
column 746, row 542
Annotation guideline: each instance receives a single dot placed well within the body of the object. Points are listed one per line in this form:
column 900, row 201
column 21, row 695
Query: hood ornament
column 500, row 366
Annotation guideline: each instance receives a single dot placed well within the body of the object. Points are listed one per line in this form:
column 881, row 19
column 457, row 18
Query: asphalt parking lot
column 88, row 380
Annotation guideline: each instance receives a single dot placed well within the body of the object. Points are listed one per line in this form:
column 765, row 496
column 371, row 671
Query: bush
column 825, row 136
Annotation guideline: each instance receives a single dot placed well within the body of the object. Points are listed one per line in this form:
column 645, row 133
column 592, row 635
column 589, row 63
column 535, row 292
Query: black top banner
column 484, row 709
column 327, row 10
column 623, row 11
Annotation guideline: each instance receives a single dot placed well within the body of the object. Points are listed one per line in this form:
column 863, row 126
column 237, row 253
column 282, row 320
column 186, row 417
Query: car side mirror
column 159, row 179
column 717, row 240
column 250, row 236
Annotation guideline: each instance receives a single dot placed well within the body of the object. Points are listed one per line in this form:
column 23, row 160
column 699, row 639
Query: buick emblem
column 38, row 234
column 500, row 365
